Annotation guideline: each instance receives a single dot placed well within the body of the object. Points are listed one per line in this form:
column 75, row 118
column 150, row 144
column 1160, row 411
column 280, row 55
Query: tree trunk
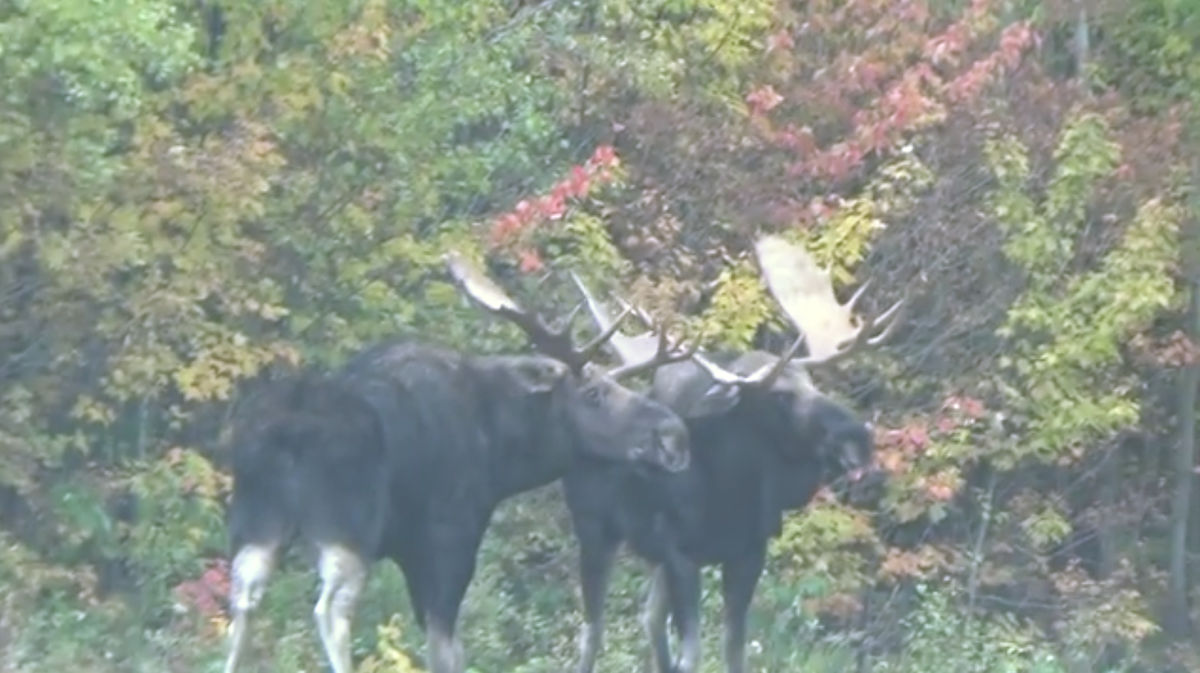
column 1178, row 622
column 1107, row 533
column 1178, row 617
column 1082, row 41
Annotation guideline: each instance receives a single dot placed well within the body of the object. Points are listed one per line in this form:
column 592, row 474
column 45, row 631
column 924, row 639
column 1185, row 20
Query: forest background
column 194, row 193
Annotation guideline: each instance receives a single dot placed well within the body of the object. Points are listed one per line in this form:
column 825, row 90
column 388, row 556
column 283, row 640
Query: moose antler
column 805, row 292
column 637, row 353
column 555, row 343
column 762, row 377
column 627, row 348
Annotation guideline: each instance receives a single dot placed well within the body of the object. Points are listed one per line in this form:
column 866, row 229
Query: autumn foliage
column 194, row 195
column 511, row 228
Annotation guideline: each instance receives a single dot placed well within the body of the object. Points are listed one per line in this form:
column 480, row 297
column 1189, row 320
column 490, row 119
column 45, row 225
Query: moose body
column 768, row 453
column 404, row 453
column 764, row 439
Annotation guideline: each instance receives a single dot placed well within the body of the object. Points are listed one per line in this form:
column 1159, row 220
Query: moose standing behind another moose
column 407, row 449
column 764, row 439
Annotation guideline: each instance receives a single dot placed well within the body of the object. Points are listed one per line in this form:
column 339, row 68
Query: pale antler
column 762, row 377
column 646, row 345
column 805, row 292
column 555, row 343
column 639, row 353
column 627, row 348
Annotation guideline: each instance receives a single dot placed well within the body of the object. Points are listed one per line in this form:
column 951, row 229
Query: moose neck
column 531, row 443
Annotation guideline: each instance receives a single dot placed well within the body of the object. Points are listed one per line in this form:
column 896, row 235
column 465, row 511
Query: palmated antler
column 805, row 292
column 554, row 342
column 639, row 353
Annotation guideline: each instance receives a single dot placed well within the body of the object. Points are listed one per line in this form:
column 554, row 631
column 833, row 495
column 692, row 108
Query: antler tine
column 628, row 348
column 716, row 371
column 767, row 374
column 804, row 291
column 638, row 311
column 892, row 316
column 637, row 353
column 665, row 354
column 889, row 319
column 593, row 347
column 569, row 319
column 857, row 295
column 481, row 288
column 862, row 337
column 599, row 315
column 762, row 377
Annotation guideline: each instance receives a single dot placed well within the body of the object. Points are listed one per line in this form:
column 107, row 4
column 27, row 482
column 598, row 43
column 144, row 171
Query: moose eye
column 593, row 395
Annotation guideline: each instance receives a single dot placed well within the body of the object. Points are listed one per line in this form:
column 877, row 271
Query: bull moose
column 764, row 439
column 405, row 451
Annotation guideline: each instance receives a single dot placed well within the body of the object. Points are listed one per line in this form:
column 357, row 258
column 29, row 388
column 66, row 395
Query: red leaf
column 579, row 182
column 969, row 406
column 523, row 211
column 603, row 156
column 870, row 74
column 780, row 40
column 763, row 99
column 530, row 261
column 939, row 492
column 506, row 225
column 973, row 407
column 552, row 206
column 916, row 436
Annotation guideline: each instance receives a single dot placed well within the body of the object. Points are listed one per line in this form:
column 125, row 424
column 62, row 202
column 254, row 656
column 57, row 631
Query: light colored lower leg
column 590, row 642
column 689, row 650
column 343, row 574
column 445, row 649
column 250, row 571
column 237, row 641
column 654, row 621
column 321, row 613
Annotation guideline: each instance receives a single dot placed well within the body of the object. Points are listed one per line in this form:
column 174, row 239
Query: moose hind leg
column 738, row 580
column 343, row 574
column 251, row 568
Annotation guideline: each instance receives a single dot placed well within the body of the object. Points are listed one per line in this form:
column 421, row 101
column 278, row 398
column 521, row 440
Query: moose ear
column 718, row 399
column 538, row 376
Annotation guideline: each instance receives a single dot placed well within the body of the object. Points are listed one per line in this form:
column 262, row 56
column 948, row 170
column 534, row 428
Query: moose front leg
column 450, row 556
column 738, row 580
column 595, row 560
